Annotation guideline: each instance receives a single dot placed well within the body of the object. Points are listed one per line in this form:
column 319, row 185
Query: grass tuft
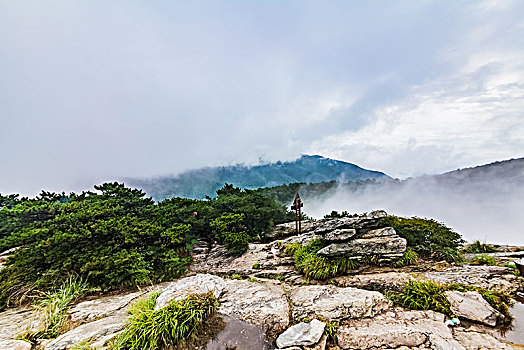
column 148, row 329
column 479, row 247
column 315, row 266
column 410, row 257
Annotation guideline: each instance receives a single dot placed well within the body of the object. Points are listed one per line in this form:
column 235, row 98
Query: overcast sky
column 97, row 90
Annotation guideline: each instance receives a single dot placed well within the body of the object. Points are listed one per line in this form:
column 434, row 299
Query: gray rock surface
column 479, row 341
column 261, row 304
column 375, row 281
column 198, row 284
column 301, row 334
column 488, row 277
column 472, row 306
column 397, row 328
column 335, row 303
column 388, row 246
column 104, row 328
column 12, row 344
column 339, row 235
column 92, row 310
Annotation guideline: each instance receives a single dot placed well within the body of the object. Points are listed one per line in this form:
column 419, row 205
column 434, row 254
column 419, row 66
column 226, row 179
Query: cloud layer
column 96, row 90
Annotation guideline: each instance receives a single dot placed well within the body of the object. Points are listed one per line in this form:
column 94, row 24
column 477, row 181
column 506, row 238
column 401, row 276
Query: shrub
column 483, row 259
column 229, row 231
column 427, row 237
column 147, row 329
column 478, row 247
column 315, row 266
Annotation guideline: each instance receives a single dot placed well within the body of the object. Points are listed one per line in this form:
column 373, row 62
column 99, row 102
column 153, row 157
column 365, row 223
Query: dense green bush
column 147, row 329
column 479, row 247
column 427, row 237
column 315, row 266
column 117, row 237
column 229, row 230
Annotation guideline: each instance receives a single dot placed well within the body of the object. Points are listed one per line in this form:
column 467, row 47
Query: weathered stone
column 488, row 277
column 340, row 235
column 92, row 310
column 198, row 284
column 479, row 341
column 261, row 304
column 335, row 303
column 18, row 320
column 357, row 223
column 362, row 247
column 301, row 334
column 395, row 329
column 289, row 228
column 321, row 345
column 12, row 344
column 94, row 331
column 381, row 232
column 375, row 281
column 472, row 306
column 239, row 334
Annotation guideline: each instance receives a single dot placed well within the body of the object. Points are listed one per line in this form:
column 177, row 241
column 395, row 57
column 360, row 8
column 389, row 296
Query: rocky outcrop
column 479, row 341
column 472, row 306
column 386, row 281
column 301, row 334
column 261, row 304
column 199, row 284
column 335, row 303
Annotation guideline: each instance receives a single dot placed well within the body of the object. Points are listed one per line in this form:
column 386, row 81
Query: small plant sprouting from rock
column 318, row 267
column 83, row 345
column 256, row 265
column 236, row 276
column 53, row 307
column 479, row 247
column 483, row 259
column 331, row 330
column 410, row 257
column 147, row 329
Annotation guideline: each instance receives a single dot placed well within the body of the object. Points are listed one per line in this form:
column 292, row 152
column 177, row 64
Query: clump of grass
column 256, row 265
column 315, row 266
column 479, row 247
column 236, row 276
column 83, row 345
column 483, row 259
column 410, row 257
column 53, row 307
column 331, row 330
column 147, row 329
column 429, row 295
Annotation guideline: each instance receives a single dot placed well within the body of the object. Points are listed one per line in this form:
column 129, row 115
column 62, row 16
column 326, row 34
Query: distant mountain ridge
column 205, row 181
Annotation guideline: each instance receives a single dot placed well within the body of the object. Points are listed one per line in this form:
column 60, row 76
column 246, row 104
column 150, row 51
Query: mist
column 484, row 203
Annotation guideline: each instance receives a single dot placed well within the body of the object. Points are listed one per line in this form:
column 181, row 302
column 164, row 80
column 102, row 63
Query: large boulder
column 262, row 304
column 340, row 235
column 335, row 303
column 472, row 306
column 479, row 341
column 385, row 281
column 301, row 334
column 382, row 242
column 198, row 284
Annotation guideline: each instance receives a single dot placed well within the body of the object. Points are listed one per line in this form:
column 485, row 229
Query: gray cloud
column 95, row 90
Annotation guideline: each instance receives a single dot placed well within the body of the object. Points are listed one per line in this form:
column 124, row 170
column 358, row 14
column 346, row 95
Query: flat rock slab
column 472, row 306
column 398, row 328
column 376, row 281
column 95, row 331
column 479, row 341
column 488, row 277
column 301, row 334
column 18, row 320
column 262, row 304
column 340, row 235
column 11, row 344
column 91, row 310
column 336, row 303
column 198, row 284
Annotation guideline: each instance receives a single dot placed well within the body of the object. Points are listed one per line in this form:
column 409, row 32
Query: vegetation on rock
column 147, row 329
column 118, row 237
column 427, row 237
column 429, row 295
column 479, row 247
column 315, row 266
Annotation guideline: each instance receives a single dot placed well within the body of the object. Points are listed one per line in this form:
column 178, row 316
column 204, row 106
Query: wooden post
column 297, row 205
